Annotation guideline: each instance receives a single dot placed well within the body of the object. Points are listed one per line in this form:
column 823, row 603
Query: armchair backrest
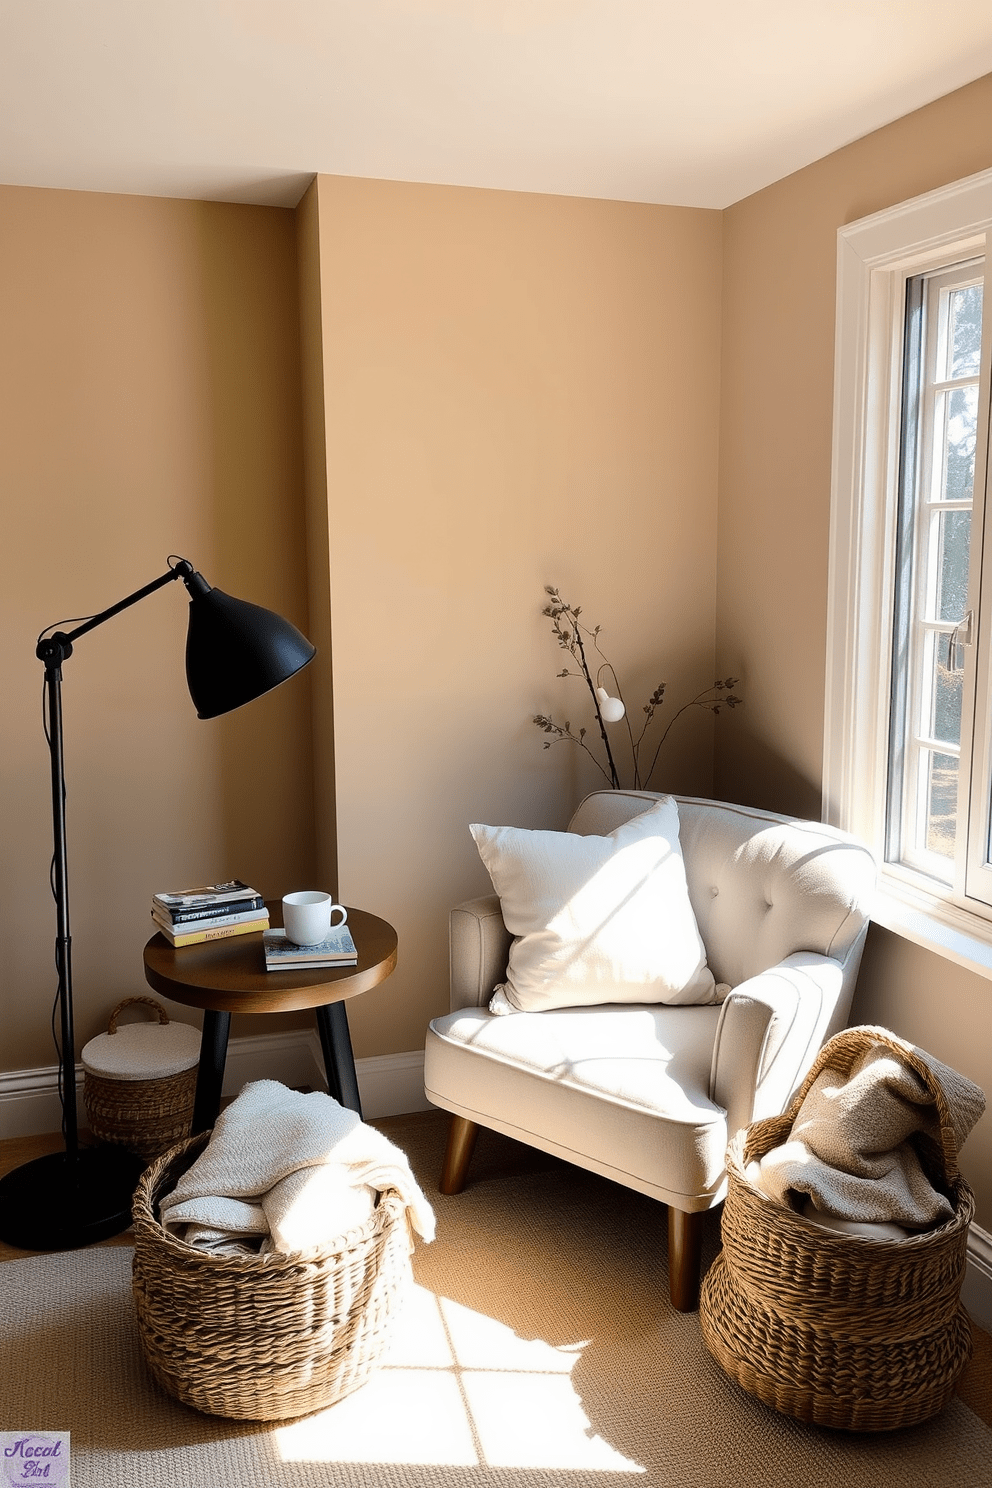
column 762, row 886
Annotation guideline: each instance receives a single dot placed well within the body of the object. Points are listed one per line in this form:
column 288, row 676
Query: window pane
column 965, row 339
column 945, row 691
column 942, row 801
column 933, row 571
column 957, row 422
column 951, row 535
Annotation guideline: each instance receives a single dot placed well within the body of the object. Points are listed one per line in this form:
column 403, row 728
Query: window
column 941, row 359
column 908, row 735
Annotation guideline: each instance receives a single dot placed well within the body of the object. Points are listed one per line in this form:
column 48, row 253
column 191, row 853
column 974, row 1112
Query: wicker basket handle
column 842, row 1051
column 163, row 1016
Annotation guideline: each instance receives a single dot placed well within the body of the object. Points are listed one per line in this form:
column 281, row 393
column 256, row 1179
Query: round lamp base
column 66, row 1200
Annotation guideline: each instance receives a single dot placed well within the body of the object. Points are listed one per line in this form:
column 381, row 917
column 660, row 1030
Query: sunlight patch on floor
column 414, row 1416
column 533, row 1420
column 459, row 1389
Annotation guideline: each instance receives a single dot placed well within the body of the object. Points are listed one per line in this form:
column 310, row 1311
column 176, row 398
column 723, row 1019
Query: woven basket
column 270, row 1337
column 146, row 1116
column 839, row 1330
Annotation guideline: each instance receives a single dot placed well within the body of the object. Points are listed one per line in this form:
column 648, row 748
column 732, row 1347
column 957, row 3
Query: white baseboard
column 29, row 1102
column 389, row 1084
column 289, row 1057
column 976, row 1293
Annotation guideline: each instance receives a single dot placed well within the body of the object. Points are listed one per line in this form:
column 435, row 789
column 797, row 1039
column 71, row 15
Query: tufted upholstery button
column 714, row 891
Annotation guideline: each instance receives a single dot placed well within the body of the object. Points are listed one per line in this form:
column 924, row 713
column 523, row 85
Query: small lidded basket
column 139, row 1081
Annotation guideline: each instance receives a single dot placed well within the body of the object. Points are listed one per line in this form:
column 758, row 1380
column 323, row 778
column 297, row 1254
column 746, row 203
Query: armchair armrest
column 771, row 1028
column 479, row 948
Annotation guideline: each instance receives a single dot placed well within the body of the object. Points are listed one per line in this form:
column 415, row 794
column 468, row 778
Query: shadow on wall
column 254, row 425
column 750, row 771
column 937, row 1005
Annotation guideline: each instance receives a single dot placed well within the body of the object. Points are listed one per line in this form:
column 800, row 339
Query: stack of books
column 215, row 912
column 282, row 954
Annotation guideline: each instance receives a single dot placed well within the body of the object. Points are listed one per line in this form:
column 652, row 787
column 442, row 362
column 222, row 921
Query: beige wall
column 150, row 374
column 321, row 677
column 780, row 253
column 520, row 390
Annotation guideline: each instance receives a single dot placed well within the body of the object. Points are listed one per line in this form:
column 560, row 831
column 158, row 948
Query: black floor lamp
column 235, row 651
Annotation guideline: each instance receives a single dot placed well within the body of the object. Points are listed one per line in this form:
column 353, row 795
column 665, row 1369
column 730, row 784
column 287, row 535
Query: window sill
column 943, row 928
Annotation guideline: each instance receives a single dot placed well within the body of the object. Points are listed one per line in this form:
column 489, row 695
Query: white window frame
column 908, row 816
column 876, row 256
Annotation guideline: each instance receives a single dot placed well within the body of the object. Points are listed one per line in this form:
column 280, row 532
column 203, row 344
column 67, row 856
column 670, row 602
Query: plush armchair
column 649, row 1094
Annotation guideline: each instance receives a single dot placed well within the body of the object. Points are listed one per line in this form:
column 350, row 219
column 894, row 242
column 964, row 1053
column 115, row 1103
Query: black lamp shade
column 235, row 651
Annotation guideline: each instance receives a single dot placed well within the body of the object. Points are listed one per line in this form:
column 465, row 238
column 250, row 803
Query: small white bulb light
column 611, row 708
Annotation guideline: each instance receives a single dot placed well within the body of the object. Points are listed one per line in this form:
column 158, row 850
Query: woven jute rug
column 538, row 1350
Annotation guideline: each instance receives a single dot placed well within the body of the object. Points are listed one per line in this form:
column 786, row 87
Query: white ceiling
column 639, row 100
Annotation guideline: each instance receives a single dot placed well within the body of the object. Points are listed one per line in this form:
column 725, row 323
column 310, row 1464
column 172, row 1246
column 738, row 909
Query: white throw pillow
column 597, row 919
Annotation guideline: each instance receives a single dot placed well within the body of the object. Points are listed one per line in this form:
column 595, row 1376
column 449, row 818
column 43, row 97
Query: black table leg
column 210, row 1076
column 339, row 1061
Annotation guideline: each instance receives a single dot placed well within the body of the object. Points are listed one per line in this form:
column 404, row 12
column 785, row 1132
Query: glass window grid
column 924, row 767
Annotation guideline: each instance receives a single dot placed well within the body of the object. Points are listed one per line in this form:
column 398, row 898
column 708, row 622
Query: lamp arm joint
column 55, row 649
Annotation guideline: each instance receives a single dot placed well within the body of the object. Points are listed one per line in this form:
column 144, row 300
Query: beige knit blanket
column 288, row 1171
column 855, row 1144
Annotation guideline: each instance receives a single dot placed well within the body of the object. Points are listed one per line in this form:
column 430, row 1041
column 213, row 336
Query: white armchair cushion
column 621, row 1090
column 598, row 919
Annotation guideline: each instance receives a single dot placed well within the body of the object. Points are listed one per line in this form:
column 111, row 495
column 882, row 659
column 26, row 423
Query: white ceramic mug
column 308, row 916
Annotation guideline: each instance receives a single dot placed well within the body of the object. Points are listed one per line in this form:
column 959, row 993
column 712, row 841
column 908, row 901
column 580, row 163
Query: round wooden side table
column 229, row 976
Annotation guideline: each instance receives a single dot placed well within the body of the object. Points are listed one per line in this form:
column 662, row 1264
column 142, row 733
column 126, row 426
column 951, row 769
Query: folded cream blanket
column 854, row 1149
column 284, row 1171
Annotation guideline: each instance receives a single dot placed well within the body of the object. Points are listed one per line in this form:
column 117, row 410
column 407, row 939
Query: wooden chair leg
column 461, row 1144
column 685, row 1236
